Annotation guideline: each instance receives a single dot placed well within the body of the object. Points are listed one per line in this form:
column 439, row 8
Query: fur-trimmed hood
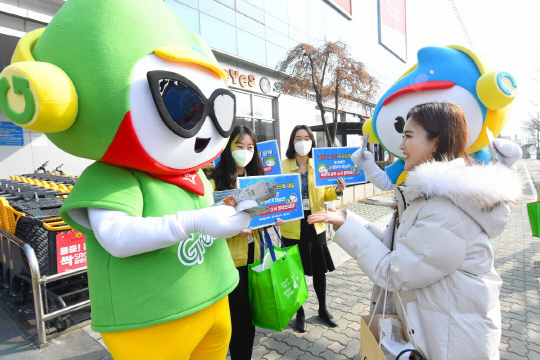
column 482, row 191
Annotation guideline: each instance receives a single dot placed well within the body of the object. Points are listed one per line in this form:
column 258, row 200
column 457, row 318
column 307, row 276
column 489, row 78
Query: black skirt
column 314, row 251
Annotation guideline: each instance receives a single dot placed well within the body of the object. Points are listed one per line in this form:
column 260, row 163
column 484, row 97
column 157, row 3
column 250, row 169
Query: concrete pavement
column 517, row 259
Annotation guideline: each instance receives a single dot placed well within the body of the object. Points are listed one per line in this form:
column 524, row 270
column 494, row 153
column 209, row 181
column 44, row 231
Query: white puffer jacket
column 442, row 261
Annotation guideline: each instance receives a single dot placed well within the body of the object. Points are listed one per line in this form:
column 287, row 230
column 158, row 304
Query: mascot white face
column 155, row 135
column 293, row 198
column 393, row 113
column 452, row 74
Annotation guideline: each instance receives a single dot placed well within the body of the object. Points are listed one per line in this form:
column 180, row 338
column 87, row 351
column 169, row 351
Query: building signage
column 10, row 134
column 248, row 81
column 238, row 78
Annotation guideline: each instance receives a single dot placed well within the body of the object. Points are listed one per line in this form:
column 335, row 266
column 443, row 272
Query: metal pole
column 36, row 288
column 51, row 278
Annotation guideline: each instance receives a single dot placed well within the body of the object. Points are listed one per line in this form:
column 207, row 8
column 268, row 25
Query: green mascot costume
column 122, row 82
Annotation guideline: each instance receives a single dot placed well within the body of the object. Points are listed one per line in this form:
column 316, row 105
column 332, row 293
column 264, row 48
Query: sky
column 507, row 33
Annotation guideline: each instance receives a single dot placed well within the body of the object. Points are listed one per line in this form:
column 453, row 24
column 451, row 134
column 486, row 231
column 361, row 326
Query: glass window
column 276, row 24
column 243, row 104
column 219, row 11
column 274, row 54
column 262, row 107
column 229, row 3
column 251, row 47
column 218, row 34
column 298, row 35
column 189, row 16
column 258, row 3
column 252, row 11
column 245, row 23
column 192, row 3
column 242, row 121
column 264, row 129
column 277, row 38
column 260, row 120
column 320, row 139
column 300, row 10
column 277, row 8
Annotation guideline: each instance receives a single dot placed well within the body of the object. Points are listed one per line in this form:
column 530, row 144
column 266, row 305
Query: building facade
column 249, row 39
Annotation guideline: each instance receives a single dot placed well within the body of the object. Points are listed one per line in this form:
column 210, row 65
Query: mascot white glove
column 373, row 172
column 507, row 152
column 217, row 221
column 123, row 235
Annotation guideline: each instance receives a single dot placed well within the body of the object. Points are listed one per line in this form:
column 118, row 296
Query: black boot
column 300, row 320
column 319, row 284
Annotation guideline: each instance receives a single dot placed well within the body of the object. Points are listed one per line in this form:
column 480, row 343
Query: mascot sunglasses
column 184, row 108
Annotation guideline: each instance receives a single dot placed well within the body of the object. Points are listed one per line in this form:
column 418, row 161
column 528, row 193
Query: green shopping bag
column 534, row 217
column 277, row 286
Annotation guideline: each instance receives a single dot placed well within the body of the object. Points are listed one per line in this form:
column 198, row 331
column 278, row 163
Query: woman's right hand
column 246, row 233
column 332, row 216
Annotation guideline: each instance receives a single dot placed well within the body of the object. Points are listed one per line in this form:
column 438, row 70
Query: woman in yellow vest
column 311, row 239
column 240, row 158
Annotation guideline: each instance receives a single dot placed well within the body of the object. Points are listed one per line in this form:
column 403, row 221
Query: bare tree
column 331, row 74
column 532, row 128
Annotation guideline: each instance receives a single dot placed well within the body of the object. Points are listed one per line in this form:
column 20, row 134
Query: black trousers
column 243, row 331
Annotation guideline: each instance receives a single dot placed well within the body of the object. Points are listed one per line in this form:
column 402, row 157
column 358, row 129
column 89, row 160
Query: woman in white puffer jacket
column 440, row 261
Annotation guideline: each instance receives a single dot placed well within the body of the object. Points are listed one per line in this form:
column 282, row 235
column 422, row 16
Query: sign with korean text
column 11, row 134
column 70, row 251
column 269, row 154
column 286, row 205
column 268, row 151
column 334, row 163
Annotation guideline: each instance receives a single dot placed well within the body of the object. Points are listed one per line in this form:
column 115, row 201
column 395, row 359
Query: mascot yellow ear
column 496, row 89
column 367, row 128
column 35, row 95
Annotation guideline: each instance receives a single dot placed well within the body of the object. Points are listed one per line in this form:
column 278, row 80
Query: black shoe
column 301, row 324
column 329, row 319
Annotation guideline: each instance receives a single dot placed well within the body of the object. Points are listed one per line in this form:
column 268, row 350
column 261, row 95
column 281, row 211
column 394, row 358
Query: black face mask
column 184, row 108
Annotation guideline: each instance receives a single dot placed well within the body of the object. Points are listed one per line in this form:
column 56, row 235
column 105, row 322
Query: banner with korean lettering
column 70, row 251
column 286, row 205
column 269, row 154
column 268, row 151
column 334, row 163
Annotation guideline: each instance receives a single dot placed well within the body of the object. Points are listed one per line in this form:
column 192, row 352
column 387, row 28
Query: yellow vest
column 238, row 245
column 317, row 197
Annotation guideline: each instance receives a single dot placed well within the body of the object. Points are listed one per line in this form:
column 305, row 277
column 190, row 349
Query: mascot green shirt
column 122, row 82
column 157, row 286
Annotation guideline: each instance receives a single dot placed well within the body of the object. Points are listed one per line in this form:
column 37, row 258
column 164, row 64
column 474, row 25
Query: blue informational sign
column 269, row 154
column 11, row 134
column 286, row 205
column 268, row 151
column 334, row 163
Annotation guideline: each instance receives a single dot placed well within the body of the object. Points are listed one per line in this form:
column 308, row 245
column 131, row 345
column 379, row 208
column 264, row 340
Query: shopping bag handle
column 279, row 237
column 268, row 241
column 413, row 351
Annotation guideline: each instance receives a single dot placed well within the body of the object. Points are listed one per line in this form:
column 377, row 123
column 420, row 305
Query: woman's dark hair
column 291, row 153
column 446, row 122
column 224, row 174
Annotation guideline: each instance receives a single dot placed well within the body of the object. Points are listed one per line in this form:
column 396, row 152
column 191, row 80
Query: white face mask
column 303, row 147
column 242, row 157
